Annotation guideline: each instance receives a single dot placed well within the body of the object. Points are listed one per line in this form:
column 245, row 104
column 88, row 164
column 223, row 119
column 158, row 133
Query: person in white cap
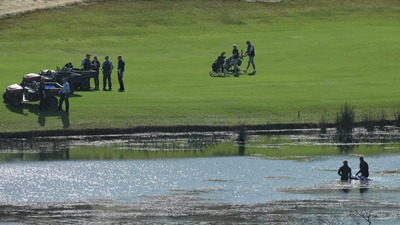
column 251, row 53
column 235, row 55
column 64, row 95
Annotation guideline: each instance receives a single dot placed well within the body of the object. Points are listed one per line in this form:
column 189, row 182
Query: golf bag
column 218, row 65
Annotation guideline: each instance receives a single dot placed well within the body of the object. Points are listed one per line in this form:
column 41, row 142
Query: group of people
column 249, row 52
column 345, row 171
column 107, row 67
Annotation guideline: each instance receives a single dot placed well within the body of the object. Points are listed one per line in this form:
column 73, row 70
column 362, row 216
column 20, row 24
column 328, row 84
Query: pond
column 283, row 176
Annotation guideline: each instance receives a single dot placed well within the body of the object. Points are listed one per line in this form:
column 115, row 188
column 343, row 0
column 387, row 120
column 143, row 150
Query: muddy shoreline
column 152, row 129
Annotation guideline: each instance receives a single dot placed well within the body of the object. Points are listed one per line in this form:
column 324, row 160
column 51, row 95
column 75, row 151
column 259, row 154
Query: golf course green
column 312, row 56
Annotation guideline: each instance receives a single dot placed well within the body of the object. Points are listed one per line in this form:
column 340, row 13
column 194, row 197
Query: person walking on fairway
column 235, row 56
column 96, row 67
column 86, row 63
column 344, row 172
column 364, row 170
column 107, row 68
column 121, row 69
column 64, row 95
column 251, row 53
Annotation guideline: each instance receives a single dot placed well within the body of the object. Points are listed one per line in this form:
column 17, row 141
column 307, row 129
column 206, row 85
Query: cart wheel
column 5, row 97
column 226, row 73
column 15, row 101
column 52, row 101
column 85, row 85
column 211, row 73
column 219, row 73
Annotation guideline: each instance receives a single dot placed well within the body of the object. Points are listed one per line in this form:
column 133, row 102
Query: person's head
column 70, row 63
column 106, row 57
column 247, row 42
column 361, row 159
column 95, row 58
column 234, row 45
column 88, row 56
column 345, row 163
column 119, row 57
column 64, row 79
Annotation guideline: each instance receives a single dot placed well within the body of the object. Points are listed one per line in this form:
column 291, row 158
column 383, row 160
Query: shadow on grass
column 34, row 109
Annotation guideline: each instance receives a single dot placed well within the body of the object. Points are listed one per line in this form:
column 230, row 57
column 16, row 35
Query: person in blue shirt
column 251, row 53
column 107, row 68
column 86, row 63
column 64, row 95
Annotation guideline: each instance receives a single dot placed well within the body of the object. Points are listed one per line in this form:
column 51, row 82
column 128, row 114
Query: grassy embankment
column 311, row 56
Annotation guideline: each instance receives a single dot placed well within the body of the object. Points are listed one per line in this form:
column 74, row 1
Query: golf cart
column 15, row 94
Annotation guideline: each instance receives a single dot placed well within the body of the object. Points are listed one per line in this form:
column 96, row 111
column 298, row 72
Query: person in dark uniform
column 107, row 68
column 86, row 63
column 344, row 172
column 121, row 69
column 364, row 170
column 68, row 65
column 64, row 95
column 235, row 56
column 96, row 67
column 251, row 53
column 42, row 95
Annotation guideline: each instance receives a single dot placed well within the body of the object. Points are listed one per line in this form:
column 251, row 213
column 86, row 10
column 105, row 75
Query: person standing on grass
column 121, row 69
column 96, row 67
column 86, row 63
column 344, row 172
column 235, row 56
column 251, row 53
column 42, row 95
column 364, row 170
column 64, row 95
column 107, row 68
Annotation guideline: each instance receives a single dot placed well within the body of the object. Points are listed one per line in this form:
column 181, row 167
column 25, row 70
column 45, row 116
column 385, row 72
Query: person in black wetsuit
column 42, row 95
column 344, row 172
column 364, row 170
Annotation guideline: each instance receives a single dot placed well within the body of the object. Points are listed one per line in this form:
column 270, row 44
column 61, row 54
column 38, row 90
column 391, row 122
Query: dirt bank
column 13, row 7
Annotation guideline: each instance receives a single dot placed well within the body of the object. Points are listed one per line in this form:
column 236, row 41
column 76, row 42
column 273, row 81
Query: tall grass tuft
column 397, row 116
column 345, row 123
column 382, row 120
column 323, row 124
column 368, row 122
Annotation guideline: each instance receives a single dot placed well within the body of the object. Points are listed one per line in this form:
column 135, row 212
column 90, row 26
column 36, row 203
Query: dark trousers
column 64, row 97
column 121, row 82
column 96, row 79
column 106, row 76
column 42, row 104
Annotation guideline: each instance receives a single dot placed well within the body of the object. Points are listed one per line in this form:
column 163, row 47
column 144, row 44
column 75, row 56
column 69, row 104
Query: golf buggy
column 224, row 66
column 15, row 94
column 77, row 78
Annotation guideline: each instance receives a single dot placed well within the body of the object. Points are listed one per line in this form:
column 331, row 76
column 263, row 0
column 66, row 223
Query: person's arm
column 83, row 62
column 340, row 171
column 349, row 173
column 67, row 90
column 112, row 67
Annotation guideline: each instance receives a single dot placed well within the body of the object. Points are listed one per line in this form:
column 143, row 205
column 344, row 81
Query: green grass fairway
column 311, row 57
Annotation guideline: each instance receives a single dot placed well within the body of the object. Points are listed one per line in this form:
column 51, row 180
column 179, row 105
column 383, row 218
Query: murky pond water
column 274, row 177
